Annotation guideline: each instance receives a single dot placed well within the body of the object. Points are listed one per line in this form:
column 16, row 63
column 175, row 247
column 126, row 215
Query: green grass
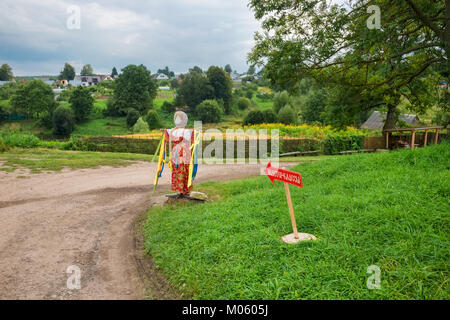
column 263, row 104
column 23, row 126
column 388, row 209
column 102, row 127
column 39, row 160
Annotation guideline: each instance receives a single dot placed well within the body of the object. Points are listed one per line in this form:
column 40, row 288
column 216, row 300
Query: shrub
column 249, row 94
column 141, row 126
column 63, row 121
column 20, row 140
column 132, row 117
column 334, row 144
column 209, row 111
column 243, row 103
column 254, row 117
column 270, row 116
column 287, row 115
column 168, row 107
column 280, row 99
column 153, row 120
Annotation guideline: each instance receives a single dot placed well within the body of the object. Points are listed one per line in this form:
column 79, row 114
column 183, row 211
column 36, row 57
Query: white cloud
column 176, row 33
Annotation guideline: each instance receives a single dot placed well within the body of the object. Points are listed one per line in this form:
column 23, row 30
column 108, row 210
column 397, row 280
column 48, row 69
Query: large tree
column 194, row 89
column 34, row 98
column 339, row 44
column 114, row 72
column 228, row 69
column 81, row 102
column 87, row 70
column 68, row 73
column 6, row 73
column 222, row 84
column 134, row 88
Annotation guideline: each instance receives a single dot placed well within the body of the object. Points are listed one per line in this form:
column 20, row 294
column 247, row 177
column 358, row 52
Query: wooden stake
column 291, row 210
column 436, row 136
column 425, row 138
column 413, row 139
column 387, row 140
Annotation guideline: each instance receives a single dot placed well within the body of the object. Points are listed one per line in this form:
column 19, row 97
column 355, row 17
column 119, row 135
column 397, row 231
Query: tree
column 333, row 44
column 132, row 117
column 87, row 70
column 209, row 111
column 140, row 126
column 6, row 73
column 196, row 69
column 280, row 100
column 194, row 90
column 228, row 69
column 287, row 115
column 68, row 73
column 153, row 120
column 134, row 88
column 314, row 106
column 114, row 72
column 243, row 103
column 34, row 98
column 270, row 116
column 63, row 121
column 167, row 72
column 82, row 103
column 222, row 85
column 254, row 117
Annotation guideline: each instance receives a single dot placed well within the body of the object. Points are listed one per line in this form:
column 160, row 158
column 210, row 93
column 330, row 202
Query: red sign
column 284, row 175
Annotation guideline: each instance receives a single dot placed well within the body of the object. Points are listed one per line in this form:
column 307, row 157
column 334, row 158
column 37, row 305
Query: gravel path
column 82, row 218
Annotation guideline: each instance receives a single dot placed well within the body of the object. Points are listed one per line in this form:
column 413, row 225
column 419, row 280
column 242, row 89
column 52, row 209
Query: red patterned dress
column 181, row 139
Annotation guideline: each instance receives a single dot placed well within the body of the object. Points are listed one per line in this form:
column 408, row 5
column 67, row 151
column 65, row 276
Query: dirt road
column 82, row 218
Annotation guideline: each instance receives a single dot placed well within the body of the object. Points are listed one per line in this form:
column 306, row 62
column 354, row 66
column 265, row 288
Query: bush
column 287, row 115
column 249, row 94
column 254, row 117
column 209, row 111
column 153, row 120
column 63, row 121
column 243, row 103
column 132, row 117
column 334, row 144
column 141, row 126
column 19, row 140
column 270, row 116
column 280, row 99
column 168, row 107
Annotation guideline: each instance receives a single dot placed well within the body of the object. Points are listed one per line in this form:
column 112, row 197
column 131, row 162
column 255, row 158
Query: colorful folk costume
column 179, row 149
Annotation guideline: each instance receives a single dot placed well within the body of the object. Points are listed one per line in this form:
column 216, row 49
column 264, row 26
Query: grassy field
column 39, row 160
column 388, row 209
column 102, row 127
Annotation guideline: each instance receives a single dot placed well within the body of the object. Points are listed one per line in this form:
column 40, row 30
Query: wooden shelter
column 413, row 134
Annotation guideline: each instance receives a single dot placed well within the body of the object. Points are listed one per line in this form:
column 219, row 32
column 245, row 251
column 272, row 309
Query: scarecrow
column 178, row 149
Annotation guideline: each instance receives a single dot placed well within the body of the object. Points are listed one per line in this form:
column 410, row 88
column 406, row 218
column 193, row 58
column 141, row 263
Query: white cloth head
column 180, row 118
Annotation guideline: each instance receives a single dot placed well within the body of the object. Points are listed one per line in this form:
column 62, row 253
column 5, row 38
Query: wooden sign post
column 289, row 177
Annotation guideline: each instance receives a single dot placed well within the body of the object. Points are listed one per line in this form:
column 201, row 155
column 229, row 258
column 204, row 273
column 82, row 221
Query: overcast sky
column 35, row 39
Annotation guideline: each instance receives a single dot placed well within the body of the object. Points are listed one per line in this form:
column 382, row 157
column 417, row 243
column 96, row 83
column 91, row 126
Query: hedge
column 334, row 144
